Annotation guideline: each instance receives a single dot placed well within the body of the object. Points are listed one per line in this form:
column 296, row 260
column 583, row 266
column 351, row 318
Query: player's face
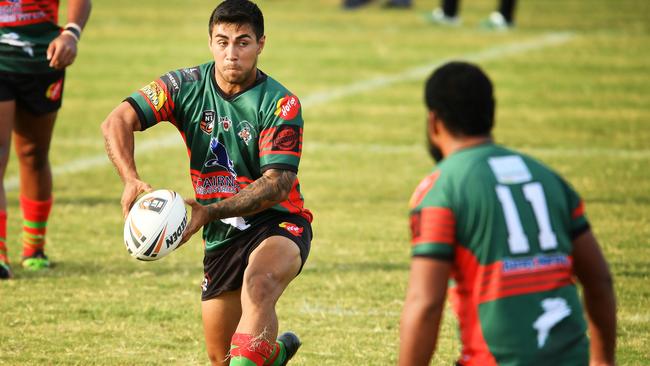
column 235, row 50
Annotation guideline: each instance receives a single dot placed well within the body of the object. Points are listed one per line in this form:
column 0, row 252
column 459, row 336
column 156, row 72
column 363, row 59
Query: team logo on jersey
column 154, row 204
column 155, row 94
column 287, row 107
column 245, row 131
column 294, row 229
column 225, row 123
column 286, row 138
column 53, row 91
column 221, row 158
column 207, row 122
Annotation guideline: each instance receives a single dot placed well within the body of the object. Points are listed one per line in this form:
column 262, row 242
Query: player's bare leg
column 7, row 115
column 271, row 267
column 220, row 318
column 32, row 136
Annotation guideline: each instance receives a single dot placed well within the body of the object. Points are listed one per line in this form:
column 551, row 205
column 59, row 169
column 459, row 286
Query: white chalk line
column 416, row 73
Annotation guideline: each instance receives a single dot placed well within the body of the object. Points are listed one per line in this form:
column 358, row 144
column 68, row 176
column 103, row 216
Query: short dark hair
column 462, row 95
column 238, row 12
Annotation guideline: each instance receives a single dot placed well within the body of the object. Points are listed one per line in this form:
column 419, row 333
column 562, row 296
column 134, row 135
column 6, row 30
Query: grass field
column 573, row 89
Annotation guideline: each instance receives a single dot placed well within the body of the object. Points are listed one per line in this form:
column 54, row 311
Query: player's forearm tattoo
column 270, row 189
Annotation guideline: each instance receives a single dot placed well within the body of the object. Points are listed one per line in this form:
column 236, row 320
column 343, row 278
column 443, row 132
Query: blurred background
column 572, row 83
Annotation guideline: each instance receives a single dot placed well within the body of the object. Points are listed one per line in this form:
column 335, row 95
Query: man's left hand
column 62, row 51
column 200, row 217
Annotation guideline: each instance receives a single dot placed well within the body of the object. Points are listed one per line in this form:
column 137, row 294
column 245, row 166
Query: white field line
column 416, row 73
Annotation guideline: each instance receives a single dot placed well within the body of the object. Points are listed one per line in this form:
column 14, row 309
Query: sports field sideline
column 573, row 85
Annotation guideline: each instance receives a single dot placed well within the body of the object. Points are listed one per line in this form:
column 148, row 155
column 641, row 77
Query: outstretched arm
column 600, row 302
column 118, row 129
column 425, row 301
column 270, row 189
column 63, row 49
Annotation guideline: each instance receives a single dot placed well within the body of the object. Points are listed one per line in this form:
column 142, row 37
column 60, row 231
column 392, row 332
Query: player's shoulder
column 279, row 100
column 186, row 77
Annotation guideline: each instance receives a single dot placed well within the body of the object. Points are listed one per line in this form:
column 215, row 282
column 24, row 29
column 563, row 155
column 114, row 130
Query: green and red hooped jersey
column 231, row 140
column 26, row 29
column 506, row 222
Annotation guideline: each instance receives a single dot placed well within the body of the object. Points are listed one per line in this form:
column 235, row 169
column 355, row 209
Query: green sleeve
column 433, row 223
column 156, row 101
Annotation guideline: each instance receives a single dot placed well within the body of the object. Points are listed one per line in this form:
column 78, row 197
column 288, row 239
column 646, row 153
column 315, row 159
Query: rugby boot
column 291, row 344
column 36, row 262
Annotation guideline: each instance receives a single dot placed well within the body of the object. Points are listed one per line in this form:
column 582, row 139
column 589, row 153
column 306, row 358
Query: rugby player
column 243, row 132
column 511, row 234
column 34, row 53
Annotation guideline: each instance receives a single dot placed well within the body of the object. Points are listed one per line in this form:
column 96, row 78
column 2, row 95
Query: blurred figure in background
column 396, row 4
column 34, row 52
column 511, row 234
column 500, row 19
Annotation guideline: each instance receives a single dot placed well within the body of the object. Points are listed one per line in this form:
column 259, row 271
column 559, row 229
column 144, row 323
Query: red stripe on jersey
column 30, row 12
column 579, row 211
column 275, row 152
column 423, row 188
column 295, row 204
column 436, row 225
column 475, row 350
column 535, row 282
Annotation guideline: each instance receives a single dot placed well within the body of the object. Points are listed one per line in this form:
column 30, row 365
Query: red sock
column 35, row 215
column 248, row 350
column 3, row 237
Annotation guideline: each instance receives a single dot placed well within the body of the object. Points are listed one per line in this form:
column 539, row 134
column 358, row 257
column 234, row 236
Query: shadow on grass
column 77, row 269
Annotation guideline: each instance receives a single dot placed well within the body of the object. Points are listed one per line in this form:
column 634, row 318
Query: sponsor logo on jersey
column 155, row 94
column 294, row 229
column 225, row 123
column 215, row 185
column 245, row 131
column 155, row 204
column 287, row 107
column 207, row 121
column 170, row 80
column 286, row 138
column 53, row 91
column 221, row 158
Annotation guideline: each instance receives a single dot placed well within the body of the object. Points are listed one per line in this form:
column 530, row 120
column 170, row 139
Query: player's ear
column 260, row 44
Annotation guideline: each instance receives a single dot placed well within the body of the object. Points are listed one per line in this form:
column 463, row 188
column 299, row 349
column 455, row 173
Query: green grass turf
column 580, row 106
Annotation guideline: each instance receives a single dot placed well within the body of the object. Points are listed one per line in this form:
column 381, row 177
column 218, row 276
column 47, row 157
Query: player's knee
column 33, row 155
column 261, row 288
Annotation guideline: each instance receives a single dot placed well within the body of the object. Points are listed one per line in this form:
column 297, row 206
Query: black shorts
column 37, row 93
column 224, row 267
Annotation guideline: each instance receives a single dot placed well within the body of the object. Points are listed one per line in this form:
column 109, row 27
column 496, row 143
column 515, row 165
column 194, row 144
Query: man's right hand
column 132, row 189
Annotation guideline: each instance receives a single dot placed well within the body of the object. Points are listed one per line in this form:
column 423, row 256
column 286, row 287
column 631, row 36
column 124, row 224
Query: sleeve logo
column 287, row 108
column 155, row 94
column 286, row 138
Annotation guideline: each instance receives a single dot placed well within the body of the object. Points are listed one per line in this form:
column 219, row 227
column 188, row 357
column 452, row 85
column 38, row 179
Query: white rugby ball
column 155, row 225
